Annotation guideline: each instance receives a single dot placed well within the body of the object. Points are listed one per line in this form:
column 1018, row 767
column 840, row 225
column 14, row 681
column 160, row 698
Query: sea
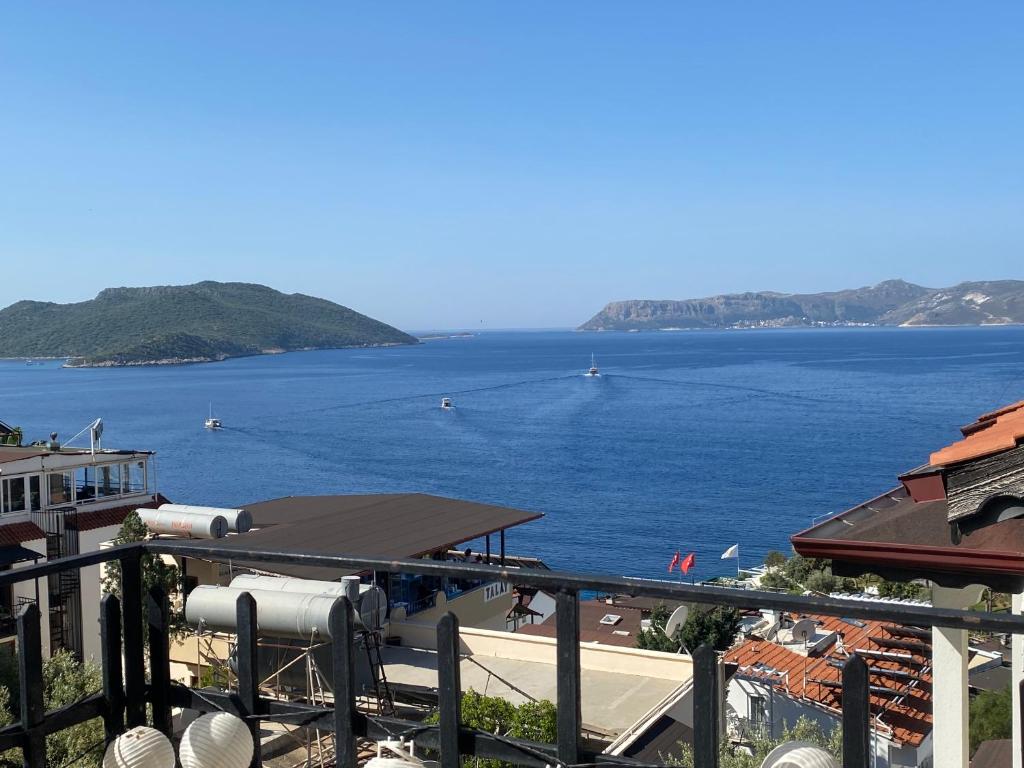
column 687, row 441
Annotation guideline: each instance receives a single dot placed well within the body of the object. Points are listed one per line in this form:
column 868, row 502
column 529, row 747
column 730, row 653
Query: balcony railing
column 122, row 702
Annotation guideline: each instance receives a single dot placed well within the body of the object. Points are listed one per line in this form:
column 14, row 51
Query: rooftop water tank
column 288, row 584
column 278, row 614
column 184, row 523
column 239, row 520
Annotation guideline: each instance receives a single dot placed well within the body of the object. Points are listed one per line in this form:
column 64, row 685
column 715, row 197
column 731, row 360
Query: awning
column 18, row 554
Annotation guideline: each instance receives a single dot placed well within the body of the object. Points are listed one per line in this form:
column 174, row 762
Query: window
column 108, row 480
column 757, row 707
column 85, row 484
column 59, row 488
column 35, row 496
column 14, row 494
column 134, row 477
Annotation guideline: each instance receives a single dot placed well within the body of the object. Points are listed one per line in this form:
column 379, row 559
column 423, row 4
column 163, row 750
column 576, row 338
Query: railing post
column 113, row 681
column 567, row 669
column 343, row 661
column 449, row 689
column 856, row 714
column 134, row 651
column 159, row 659
column 30, row 674
column 705, row 707
column 247, row 653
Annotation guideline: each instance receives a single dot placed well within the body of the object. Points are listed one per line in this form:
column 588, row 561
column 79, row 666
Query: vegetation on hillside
column 798, row 574
column 204, row 321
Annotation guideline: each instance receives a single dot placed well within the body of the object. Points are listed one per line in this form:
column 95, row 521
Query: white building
column 56, row 502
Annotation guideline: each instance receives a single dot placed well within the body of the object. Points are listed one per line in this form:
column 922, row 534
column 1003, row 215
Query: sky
column 499, row 165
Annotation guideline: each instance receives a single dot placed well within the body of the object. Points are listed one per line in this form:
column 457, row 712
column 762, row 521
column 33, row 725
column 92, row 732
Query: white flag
column 731, row 552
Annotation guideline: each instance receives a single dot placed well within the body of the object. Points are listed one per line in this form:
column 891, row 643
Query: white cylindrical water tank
column 239, row 520
column 184, row 523
column 251, row 581
column 280, row 614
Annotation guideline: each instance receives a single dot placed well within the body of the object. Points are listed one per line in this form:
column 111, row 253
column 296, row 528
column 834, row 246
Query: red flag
column 674, row 563
column 688, row 563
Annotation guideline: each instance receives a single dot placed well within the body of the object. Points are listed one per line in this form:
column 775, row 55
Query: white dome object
column 141, row 747
column 218, row 740
column 799, row 754
column 403, row 755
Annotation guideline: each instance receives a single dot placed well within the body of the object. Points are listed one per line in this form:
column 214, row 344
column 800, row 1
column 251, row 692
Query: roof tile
column 992, row 433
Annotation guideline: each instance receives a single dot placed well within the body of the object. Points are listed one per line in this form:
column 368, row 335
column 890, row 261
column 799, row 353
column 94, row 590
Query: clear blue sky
column 441, row 164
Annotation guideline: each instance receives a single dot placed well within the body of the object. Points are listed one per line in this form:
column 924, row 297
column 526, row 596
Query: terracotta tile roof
column 90, row 520
column 18, row 533
column 908, row 718
column 992, row 433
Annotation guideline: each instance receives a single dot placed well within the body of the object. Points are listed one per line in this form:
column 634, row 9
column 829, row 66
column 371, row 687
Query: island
column 176, row 324
column 892, row 302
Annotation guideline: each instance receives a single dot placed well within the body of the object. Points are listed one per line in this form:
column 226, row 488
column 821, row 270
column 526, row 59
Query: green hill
column 185, row 323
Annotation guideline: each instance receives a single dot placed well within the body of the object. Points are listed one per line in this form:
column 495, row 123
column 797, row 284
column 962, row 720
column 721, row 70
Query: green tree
column 774, row 559
column 65, row 681
column 155, row 572
column 715, row 626
column 655, row 639
column 531, row 721
column 901, row 590
column 731, row 756
column 991, row 716
column 820, row 581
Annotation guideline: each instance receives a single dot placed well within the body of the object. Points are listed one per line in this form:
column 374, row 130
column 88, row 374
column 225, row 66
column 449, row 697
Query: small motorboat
column 446, row 403
column 593, row 368
column 212, row 422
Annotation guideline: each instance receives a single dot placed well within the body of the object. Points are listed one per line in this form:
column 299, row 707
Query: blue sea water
column 688, row 441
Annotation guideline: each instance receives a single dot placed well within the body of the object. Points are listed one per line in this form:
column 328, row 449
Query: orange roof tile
column 992, row 433
column 908, row 718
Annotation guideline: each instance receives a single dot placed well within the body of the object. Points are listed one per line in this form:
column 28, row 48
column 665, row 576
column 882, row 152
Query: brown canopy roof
column 389, row 526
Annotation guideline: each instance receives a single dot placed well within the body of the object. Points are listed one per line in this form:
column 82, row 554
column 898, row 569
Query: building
column 958, row 522
column 791, row 667
column 57, row 501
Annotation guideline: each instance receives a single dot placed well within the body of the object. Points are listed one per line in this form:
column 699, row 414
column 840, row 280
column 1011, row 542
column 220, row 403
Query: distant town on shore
column 890, row 303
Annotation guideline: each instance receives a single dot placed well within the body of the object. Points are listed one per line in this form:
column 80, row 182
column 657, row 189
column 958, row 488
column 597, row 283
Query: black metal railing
column 122, row 702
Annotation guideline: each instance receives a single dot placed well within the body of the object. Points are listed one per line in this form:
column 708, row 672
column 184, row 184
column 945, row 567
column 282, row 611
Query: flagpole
column 737, row 562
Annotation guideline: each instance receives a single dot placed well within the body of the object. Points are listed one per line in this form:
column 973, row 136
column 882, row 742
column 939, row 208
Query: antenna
column 95, row 433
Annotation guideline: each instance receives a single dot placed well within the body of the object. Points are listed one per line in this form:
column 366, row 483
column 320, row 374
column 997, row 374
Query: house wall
column 27, row 589
column 91, row 578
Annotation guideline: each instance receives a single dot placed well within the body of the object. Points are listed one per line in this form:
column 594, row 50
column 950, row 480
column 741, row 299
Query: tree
column 774, row 559
column 731, row 756
column 155, row 572
column 65, row 681
column 991, row 716
column 655, row 639
column 531, row 721
column 715, row 626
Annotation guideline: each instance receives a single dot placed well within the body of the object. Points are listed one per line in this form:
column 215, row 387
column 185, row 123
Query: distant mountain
column 185, row 323
column 893, row 302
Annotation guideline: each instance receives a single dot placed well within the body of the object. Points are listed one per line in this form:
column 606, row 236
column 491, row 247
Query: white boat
column 593, row 368
column 212, row 422
column 446, row 403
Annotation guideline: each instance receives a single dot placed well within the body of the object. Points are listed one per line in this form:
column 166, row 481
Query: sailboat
column 593, row 368
column 211, row 421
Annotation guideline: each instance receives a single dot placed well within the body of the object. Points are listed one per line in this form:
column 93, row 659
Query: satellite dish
column 804, row 630
column 373, row 608
column 799, row 754
column 676, row 620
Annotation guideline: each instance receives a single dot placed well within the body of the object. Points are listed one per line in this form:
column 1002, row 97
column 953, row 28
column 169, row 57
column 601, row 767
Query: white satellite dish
column 676, row 620
column 799, row 754
column 804, row 630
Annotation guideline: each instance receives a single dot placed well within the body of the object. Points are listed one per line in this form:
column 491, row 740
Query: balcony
column 126, row 692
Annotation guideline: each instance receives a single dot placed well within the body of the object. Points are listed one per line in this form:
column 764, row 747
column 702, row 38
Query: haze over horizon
column 491, row 167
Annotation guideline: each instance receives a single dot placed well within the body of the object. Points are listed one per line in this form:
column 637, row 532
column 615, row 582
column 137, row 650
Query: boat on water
column 446, row 403
column 212, row 422
column 593, row 368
